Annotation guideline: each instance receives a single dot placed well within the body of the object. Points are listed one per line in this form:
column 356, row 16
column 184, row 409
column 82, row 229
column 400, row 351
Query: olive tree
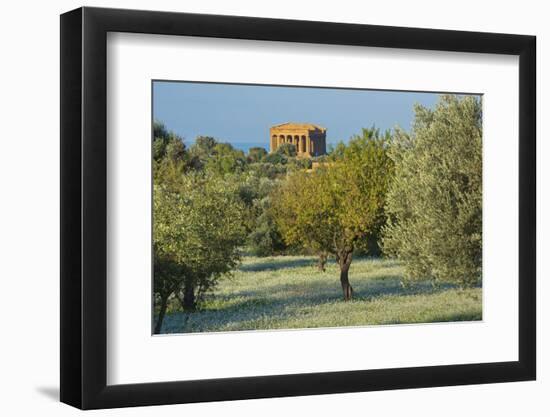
column 335, row 207
column 434, row 204
column 166, row 144
column 197, row 233
column 286, row 149
column 256, row 154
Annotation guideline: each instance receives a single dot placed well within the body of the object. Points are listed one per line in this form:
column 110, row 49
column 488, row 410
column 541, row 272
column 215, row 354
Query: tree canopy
column 166, row 143
column 435, row 202
column 256, row 154
column 331, row 209
column 286, row 149
column 197, row 232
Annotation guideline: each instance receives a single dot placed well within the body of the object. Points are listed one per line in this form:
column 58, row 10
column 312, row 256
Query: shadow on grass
column 284, row 300
column 280, row 263
column 233, row 315
column 377, row 288
column 251, row 307
column 444, row 318
column 386, row 284
column 283, row 262
column 466, row 316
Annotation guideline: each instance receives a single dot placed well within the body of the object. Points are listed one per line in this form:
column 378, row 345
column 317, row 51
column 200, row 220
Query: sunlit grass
column 289, row 292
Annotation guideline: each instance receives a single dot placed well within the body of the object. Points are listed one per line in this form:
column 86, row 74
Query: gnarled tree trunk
column 189, row 303
column 162, row 313
column 322, row 261
column 344, row 261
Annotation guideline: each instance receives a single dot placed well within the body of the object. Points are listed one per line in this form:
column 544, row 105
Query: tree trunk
column 162, row 313
column 321, row 263
column 345, row 261
column 189, row 297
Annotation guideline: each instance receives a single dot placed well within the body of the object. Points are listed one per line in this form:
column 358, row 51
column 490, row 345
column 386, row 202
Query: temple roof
column 292, row 125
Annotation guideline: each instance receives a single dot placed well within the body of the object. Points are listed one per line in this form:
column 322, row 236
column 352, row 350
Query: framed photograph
column 259, row 208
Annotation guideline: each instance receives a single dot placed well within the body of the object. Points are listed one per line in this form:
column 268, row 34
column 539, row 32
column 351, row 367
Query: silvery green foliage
column 434, row 204
column 198, row 230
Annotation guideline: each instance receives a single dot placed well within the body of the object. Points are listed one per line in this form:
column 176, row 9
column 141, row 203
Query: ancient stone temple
column 309, row 139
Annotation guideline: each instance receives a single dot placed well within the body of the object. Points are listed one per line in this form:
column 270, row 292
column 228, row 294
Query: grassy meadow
column 289, row 292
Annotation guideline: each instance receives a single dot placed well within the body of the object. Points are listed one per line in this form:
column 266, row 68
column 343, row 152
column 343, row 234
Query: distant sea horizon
column 245, row 146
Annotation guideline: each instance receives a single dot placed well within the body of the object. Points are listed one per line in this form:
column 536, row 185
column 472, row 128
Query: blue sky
column 244, row 113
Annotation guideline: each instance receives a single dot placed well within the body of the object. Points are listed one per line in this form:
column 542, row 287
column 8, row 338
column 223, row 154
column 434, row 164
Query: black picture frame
column 84, row 207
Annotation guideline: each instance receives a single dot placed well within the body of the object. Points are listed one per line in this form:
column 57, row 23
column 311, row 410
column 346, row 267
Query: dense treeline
column 414, row 196
column 211, row 202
